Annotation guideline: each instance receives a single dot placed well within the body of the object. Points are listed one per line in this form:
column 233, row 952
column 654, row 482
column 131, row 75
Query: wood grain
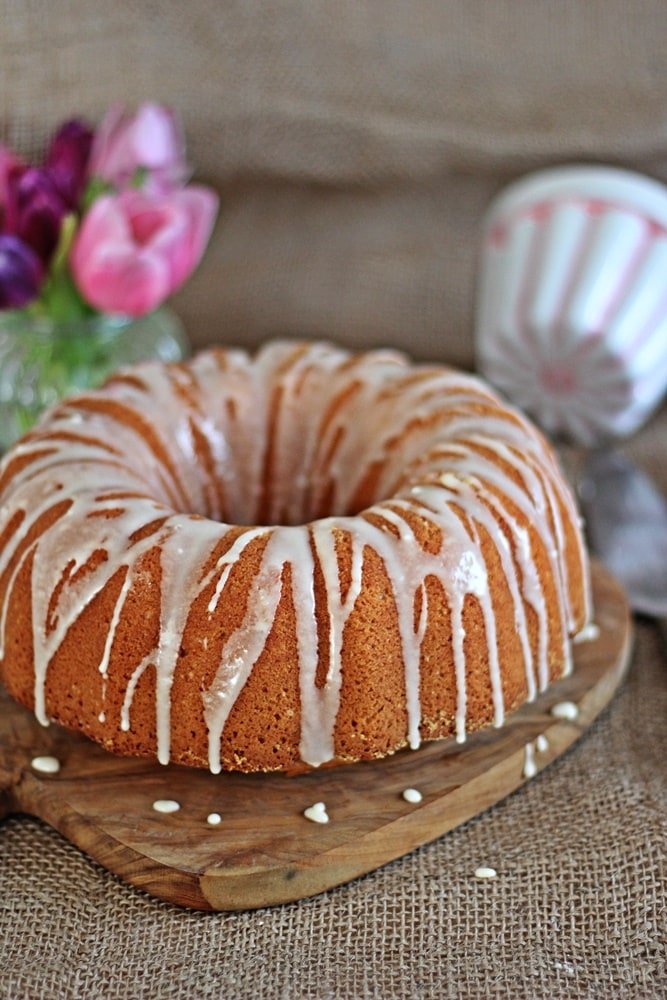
column 265, row 851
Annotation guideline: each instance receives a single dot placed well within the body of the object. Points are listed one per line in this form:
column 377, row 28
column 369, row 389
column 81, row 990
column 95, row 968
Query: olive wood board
column 265, row 851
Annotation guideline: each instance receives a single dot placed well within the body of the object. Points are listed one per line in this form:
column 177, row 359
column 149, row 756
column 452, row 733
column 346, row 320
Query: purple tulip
column 35, row 209
column 67, row 159
column 21, row 273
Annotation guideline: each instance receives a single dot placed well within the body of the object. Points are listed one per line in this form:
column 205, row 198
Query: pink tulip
column 150, row 140
column 134, row 249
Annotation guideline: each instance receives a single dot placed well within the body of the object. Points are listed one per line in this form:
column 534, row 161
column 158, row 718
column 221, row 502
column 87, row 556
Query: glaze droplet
column 214, row 819
column 589, row 633
column 317, row 813
column 565, row 710
column 45, row 765
column 166, row 805
column 485, row 872
column 412, row 795
column 541, row 743
column 529, row 765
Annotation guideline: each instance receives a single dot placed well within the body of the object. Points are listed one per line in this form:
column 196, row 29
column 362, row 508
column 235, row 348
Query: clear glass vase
column 41, row 361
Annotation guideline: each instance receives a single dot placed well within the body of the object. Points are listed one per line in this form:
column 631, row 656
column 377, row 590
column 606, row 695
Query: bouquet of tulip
column 108, row 223
column 92, row 243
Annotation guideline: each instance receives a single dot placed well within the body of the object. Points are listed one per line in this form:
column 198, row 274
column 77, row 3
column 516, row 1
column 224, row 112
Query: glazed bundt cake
column 274, row 562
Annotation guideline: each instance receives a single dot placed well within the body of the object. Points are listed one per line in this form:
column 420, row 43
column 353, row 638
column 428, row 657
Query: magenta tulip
column 34, row 209
column 21, row 273
column 150, row 140
column 67, row 159
column 134, row 249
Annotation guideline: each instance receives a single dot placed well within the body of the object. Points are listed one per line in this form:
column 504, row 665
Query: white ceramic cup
column 572, row 309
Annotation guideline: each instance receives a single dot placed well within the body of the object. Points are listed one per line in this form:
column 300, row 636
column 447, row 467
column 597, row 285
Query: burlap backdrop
column 355, row 146
column 355, row 143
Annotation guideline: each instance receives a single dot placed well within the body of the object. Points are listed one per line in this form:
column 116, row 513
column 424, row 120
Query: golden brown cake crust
column 420, row 575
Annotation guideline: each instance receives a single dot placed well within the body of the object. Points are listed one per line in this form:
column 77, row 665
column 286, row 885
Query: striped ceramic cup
column 572, row 309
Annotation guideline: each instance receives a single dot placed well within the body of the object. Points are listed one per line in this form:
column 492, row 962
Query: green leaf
column 138, row 178
column 96, row 187
column 67, row 232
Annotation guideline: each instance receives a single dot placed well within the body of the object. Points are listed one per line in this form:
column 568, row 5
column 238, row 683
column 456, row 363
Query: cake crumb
column 485, row 872
column 412, row 795
column 166, row 805
column 565, row 710
column 45, row 765
column 317, row 813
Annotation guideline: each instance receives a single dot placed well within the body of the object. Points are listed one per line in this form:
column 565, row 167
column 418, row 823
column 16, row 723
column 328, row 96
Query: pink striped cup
column 572, row 308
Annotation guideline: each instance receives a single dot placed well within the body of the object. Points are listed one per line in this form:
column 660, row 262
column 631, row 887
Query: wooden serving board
column 264, row 851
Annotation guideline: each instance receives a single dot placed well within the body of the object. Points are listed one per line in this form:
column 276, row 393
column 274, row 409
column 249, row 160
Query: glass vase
column 41, row 360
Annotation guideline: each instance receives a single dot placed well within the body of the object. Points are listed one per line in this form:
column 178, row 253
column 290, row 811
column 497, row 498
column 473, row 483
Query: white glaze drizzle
column 541, row 743
column 322, row 704
column 111, row 635
column 412, row 795
column 589, row 633
column 432, row 455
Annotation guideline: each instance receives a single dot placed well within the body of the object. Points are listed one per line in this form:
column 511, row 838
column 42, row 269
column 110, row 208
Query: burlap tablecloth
column 355, row 147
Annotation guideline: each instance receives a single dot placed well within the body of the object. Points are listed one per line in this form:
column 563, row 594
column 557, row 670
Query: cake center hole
column 293, row 480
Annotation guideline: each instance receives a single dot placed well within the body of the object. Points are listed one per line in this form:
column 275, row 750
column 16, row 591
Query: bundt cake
column 274, row 562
